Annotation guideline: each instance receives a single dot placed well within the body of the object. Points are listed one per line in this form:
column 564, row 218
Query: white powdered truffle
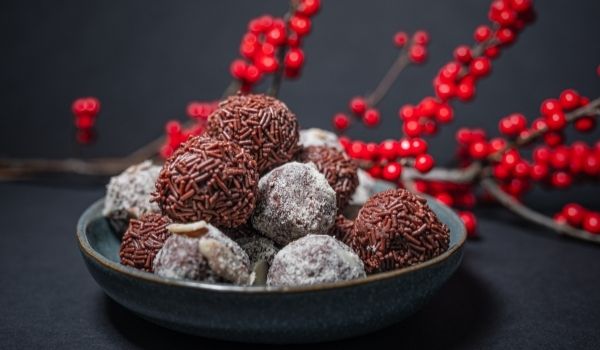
column 130, row 192
column 203, row 253
column 294, row 200
column 314, row 259
column 319, row 137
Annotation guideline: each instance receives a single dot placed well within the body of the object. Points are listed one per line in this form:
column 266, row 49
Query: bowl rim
column 144, row 276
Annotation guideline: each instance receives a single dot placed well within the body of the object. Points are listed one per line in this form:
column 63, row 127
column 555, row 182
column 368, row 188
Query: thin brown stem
column 278, row 76
column 389, row 78
column 529, row 214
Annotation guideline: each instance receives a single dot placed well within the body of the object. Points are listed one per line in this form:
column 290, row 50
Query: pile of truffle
column 254, row 201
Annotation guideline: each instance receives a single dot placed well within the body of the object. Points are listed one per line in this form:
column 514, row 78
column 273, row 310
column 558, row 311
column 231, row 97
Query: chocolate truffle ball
column 208, row 179
column 294, row 200
column 200, row 252
column 395, row 229
column 339, row 170
column 143, row 239
column 260, row 124
column 319, row 137
column 314, row 259
column 258, row 248
column 128, row 195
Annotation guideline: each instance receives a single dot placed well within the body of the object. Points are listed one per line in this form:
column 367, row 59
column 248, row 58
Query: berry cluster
column 577, row 216
column 176, row 133
column 387, row 158
column 413, row 50
column 269, row 40
column 457, row 79
column 85, row 110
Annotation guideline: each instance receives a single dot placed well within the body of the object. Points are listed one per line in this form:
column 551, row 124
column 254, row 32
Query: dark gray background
column 519, row 286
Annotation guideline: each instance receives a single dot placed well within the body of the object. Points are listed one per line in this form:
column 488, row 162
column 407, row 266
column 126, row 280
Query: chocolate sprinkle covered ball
column 200, row 252
column 260, row 124
column 294, row 200
column 314, row 259
column 395, row 229
column 208, row 179
column 339, row 170
column 143, row 239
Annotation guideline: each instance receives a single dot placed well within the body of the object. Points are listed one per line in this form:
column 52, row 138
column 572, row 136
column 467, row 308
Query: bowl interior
column 98, row 240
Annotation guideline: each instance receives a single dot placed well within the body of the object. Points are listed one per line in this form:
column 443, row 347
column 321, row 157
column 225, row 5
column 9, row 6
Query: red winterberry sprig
column 85, row 111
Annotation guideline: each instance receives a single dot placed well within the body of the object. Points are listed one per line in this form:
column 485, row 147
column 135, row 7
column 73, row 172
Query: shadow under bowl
column 261, row 314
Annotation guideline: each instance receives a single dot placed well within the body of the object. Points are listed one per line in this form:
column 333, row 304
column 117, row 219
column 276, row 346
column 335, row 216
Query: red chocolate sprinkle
column 339, row 170
column 208, row 179
column 262, row 125
column 395, row 229
column 143, row 239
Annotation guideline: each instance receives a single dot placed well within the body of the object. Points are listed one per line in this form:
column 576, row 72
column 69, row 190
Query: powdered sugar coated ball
column 294, row 200
column 258, row 248
column 128, row 194
column 319, row 137
column 314, row 259
column 203, row 253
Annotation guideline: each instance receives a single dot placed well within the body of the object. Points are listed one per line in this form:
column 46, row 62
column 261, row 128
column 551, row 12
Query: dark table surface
column 519, row 286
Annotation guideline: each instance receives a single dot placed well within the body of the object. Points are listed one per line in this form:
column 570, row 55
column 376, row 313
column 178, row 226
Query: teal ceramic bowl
column 262, row 314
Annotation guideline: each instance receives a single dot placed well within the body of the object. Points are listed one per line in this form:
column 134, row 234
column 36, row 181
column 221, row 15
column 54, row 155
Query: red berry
column 444, row 114
column 300, row 24
column 400, row 39
column 358, row 105
column 421, row 37
column 554, row 139
column 388, row 149
column 309, row 7
column 510, row 158
column 482, row 33
column 538, row 124
column 276, row 36
column 539, row 172
column 521, row 169
column 561, row 157
column 418, row 146
column 238, row 69
column 574, row 214
column 463, row 54
column 569, row 99
column 445, row 198
column 267, row 64
column 421, row 186
column 444, row 91
column 556, row 121
column 341, row 121
column 561, row 180
column 84, row 121
column 542, row 155
column 407, row 112
column 480, row 66
column 550, row 106
column 501, row 172
column 591, row 164
column 405, row 148
column 465, row 91
column 464, row 136
column 371, row 150
column 506, row 17
column 429, row 127
column 591, row 223
column 520, row 5
column 418, row 53
column 392, row 171
column 376, row 171
column 449, row 72
column 293, row 40
column 505, row 35
column 470, row 222
column 173, row 127
column 358, row 149
column 424, row 163
column 497, row 144
column 585, row 124
column 560, row 218
column 478, row 149
column 412, row 128
column 371, row 117
column 427, row 107
column 294, row 58
column 492, row 52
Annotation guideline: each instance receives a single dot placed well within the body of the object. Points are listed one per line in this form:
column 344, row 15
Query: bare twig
column 529, row 214
column 389, row 78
